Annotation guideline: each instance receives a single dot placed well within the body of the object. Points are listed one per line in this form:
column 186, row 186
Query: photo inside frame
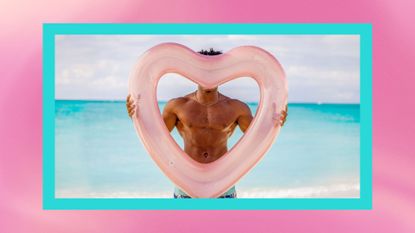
column 98, row 153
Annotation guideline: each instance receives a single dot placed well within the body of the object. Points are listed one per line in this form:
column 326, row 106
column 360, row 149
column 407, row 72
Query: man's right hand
column 130, row 106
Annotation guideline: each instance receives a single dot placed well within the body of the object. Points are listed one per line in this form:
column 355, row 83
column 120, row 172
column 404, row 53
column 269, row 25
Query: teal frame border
column 50, row 202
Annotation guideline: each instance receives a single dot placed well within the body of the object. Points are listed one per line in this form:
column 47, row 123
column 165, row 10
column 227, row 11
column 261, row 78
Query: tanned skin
column 205, row 120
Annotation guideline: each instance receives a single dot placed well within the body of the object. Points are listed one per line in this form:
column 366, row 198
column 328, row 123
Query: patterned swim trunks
column 231, row 193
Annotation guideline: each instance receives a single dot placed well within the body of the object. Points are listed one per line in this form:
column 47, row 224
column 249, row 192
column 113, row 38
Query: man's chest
column 218, row 116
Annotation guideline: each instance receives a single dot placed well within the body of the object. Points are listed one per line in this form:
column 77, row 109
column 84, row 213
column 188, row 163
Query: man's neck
column 207, row 98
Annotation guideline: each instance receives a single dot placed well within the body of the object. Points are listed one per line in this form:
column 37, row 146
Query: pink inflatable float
column 212, row 179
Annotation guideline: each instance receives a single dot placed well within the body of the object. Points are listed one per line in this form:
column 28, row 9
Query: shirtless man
column 205, row 120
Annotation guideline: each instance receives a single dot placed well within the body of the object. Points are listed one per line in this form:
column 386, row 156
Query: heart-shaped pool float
column 212, row 179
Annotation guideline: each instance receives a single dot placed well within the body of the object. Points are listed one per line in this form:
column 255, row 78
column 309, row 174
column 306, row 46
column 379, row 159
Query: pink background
column 393, row 115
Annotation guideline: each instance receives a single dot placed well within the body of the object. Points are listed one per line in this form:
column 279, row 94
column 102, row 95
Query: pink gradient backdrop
column 393, row 114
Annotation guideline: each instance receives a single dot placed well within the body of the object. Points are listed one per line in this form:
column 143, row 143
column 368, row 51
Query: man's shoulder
column 188, row 96
column 179, row 100
column 235, row 102
column 238, row 105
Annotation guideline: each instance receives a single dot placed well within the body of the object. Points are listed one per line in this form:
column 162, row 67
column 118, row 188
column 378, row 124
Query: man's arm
column 245, row 116
column 169, row 115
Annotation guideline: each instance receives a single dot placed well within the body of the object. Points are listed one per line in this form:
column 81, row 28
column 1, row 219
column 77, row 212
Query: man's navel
column 205, row 155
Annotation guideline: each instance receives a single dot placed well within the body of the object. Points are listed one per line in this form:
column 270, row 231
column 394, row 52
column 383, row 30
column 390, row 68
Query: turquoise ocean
column 98, row 154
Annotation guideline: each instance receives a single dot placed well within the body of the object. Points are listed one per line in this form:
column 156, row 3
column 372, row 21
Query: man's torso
column 206, row 128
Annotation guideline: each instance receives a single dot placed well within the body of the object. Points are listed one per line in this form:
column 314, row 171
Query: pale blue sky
column 319, row 68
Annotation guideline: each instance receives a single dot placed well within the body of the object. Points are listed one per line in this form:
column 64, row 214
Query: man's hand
column 284, row 115
column 130, row 106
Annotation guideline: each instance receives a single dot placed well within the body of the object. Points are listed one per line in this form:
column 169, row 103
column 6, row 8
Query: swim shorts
column 231, row 193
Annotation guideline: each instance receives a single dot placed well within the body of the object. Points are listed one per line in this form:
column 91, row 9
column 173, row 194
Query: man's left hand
column 283, row 116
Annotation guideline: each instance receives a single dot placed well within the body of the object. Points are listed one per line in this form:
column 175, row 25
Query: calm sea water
column 98, row 154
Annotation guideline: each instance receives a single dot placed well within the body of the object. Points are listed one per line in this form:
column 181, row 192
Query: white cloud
column 318, row 67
